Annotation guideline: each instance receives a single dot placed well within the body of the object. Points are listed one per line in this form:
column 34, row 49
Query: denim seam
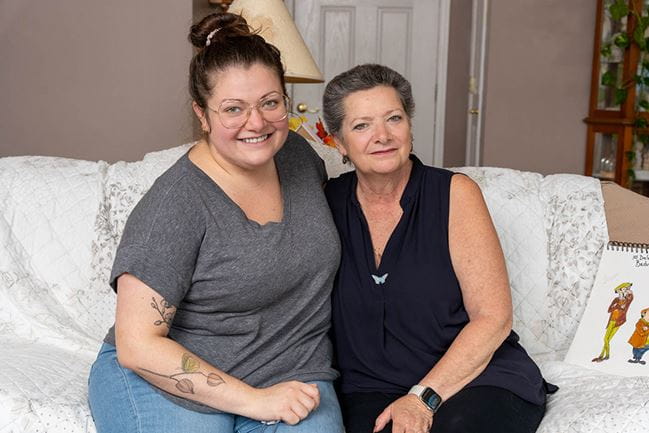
column 130, row 395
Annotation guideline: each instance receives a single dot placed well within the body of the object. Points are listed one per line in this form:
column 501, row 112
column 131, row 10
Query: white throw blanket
column 60, row 222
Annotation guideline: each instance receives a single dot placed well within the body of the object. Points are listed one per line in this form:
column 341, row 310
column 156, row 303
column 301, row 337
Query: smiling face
column 254, row 144
column 375, row 132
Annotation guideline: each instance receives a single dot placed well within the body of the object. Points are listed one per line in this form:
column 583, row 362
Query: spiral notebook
column 613, row 334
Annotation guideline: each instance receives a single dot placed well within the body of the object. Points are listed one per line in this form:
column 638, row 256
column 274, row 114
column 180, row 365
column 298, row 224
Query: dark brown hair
column 232, row 43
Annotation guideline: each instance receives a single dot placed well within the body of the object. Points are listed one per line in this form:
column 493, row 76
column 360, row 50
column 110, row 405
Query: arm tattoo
column 165, row 316
column 190, row 365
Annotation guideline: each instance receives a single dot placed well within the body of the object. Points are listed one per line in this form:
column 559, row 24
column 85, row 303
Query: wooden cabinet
column 618, row 115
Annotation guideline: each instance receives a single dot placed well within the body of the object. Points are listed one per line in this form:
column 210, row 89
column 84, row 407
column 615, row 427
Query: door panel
column 403, row 34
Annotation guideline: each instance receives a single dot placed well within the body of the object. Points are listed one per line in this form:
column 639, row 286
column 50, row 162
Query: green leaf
column 645, row 81
column 631, row 173
column 189, row 364
column 644, row 104
column 618, row 10
column 621, row 40
column 638, row 36
column 645, row 64
column 608, row 79
column 630, row 156
column 640, row 122
column 620, row 96
column 606, row 50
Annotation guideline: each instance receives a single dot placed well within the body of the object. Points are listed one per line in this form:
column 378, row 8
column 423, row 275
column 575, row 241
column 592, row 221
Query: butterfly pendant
column 379, row 280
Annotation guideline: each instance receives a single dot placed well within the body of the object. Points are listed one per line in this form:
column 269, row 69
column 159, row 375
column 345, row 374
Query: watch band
column 428, row 396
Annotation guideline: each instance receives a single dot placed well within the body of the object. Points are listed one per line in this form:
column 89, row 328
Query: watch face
column 431, row 398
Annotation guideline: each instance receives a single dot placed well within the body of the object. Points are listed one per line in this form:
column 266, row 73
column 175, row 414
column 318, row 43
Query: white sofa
column 61, row 219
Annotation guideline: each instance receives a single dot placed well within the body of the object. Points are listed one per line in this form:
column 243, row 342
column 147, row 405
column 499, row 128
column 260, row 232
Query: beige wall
column 538, row 78
column 107, row 80
column 459, row 62
column 94, row 80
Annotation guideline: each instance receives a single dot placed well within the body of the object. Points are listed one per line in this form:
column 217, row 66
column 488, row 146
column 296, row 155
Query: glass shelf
column 605, row 155
column 642, row 175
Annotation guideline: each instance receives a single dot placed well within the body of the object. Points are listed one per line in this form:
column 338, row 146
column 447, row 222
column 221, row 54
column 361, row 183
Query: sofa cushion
column 551, row 230
column 576, row 226
column 594, row 402
column 43, row 388
column 513, row 201
column 125, row 184
column 46, row 229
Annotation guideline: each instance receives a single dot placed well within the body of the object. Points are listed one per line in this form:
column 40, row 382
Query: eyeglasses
column 234, row 113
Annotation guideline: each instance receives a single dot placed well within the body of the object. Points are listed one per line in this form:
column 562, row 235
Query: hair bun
column 224, row 24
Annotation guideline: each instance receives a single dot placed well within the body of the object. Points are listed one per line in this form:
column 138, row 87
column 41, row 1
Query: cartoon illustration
column 618, row 308
column 640, row 338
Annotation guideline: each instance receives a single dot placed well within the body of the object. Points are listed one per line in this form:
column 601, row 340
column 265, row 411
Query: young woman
column 225, row 267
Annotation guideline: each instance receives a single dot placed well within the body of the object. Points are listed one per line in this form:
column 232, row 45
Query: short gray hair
column 362, row 77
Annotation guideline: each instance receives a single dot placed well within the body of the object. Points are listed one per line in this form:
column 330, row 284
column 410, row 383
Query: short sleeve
column 162, row 239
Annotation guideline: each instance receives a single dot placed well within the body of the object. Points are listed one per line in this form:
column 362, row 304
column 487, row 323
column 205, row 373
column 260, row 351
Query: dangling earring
column 412, row 143
column 345, row 159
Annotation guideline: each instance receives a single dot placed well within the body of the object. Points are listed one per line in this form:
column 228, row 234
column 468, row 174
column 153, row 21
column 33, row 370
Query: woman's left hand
column 408, row 415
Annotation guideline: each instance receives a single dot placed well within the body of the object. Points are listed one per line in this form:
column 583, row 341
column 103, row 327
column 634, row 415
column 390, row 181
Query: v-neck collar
column 284, row 189
column 388, row 256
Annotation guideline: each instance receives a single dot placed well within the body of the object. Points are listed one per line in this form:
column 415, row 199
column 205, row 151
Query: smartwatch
column 428, row 396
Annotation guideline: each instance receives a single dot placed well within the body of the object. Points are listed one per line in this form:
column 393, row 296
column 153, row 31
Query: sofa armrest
column 627, row 214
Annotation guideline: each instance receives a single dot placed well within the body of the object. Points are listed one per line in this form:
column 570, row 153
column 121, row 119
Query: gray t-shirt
column 252, row 300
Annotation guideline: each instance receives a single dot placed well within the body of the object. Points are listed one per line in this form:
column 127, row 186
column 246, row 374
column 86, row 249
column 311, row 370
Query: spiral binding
column 628, row 246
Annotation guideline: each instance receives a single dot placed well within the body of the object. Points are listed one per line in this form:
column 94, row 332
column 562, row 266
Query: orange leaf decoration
column 322, row 132
column 329, row 141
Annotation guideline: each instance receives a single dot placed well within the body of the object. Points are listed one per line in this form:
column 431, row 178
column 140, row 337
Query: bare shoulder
column 463, row 187
column 466, row 199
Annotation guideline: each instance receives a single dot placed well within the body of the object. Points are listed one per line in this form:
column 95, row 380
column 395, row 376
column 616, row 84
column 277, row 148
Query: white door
column 410, row 36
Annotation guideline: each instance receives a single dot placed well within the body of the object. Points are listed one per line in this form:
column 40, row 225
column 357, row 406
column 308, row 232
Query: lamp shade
column 276, row 26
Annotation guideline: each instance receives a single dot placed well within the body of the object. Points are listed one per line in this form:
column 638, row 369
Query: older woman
column 422, row 308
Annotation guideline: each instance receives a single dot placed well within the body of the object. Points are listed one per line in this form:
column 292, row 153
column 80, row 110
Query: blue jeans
column 123, row 402
column 637, row 353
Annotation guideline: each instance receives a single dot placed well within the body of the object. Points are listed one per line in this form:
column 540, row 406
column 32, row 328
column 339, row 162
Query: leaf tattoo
column 214, row 379
column 166, row 316
column 189, row 365
column 186, row 386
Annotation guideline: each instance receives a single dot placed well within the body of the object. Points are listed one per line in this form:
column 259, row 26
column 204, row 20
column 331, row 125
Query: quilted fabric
column 552, row 231
column 577, row 233
column 594, row 402
column 513, row 201
column 61, row 220
column 48, row 205
column 43, row 388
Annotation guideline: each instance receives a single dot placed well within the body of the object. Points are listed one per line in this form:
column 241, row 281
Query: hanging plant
column 619, row 10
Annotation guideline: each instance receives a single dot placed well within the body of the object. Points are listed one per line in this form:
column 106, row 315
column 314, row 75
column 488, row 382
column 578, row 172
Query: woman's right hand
column 289, row 402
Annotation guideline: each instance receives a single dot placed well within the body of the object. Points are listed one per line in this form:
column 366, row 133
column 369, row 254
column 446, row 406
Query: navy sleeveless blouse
column 392, row 324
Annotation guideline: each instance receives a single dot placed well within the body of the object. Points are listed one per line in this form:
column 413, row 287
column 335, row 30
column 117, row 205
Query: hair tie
column 208, row 41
